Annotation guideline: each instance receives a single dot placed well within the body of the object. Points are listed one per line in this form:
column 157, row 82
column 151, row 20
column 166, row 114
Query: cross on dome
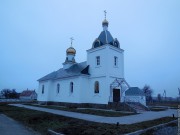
column 105, row 22
column 71, row 40
column 71, row 50
column 105, row 13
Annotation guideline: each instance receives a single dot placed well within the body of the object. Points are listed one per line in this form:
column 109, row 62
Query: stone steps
column 138, row 107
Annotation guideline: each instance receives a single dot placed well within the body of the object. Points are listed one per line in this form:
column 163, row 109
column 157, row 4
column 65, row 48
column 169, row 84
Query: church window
column 96, row 87
column 42, row 89
column 115, row 61
column 98, row 60
column 71, row 87
column 58, row 88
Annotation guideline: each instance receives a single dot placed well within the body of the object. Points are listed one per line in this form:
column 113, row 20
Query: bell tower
column 106, row 58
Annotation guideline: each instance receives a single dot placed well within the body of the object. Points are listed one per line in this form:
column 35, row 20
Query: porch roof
column 134, row 91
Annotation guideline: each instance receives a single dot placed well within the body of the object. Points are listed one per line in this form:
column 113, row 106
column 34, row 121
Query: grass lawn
column 153, row 131
column 173, row 105
column 87, row 111
column 41, row 122
column 157, row 109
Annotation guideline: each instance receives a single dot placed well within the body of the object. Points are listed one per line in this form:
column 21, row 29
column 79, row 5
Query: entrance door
column 116, row 95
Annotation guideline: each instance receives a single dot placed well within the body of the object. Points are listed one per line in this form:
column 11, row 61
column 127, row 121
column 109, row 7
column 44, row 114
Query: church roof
column 134, row 91
column 105, row 37
column 75, row 70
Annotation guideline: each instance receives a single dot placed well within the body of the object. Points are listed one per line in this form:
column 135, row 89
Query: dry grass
column 41, row 122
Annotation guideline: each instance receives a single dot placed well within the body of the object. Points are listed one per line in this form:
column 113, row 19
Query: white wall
column 106, row 68
column 103, row 96
column 115, row 71
column 47, row 86
column 83, row 90
column 106, row 73
column 100, row 70
column 64, row 94
column 140, row 99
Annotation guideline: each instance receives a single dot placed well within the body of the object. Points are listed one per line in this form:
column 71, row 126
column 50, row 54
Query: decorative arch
column 117, row 83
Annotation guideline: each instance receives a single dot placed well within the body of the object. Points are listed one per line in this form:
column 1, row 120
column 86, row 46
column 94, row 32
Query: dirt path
column 9, row 126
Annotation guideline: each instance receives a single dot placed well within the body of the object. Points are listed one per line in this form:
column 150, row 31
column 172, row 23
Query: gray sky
column 34, row 36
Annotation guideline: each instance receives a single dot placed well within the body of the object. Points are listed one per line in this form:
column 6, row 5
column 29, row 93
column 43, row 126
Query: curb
column 51, row 132
column 144, row 130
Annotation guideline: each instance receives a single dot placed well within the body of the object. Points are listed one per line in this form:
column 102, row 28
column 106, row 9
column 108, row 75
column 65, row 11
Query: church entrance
column 116, row 95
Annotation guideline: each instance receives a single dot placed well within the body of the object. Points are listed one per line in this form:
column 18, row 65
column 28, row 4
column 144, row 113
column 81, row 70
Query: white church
column 99, row 80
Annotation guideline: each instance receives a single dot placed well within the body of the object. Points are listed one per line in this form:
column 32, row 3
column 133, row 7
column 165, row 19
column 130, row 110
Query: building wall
column 94, row 69
column 103, row 96
column 33, row 96
column 106, row 67
column 118, row 70
column 106, row 72
column 64, row 95
column 47, row 87
column 140, row 99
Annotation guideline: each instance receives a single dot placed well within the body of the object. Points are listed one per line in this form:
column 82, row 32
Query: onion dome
column 105, row 23
column 71, row 50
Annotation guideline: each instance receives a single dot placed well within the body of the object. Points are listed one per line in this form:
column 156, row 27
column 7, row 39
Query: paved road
column 145, row 116
column 9, row 126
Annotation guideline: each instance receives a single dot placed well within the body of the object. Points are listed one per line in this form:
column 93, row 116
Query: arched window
column 71, row 87
column 42, row 89
column 96, row 87
column 58, row 88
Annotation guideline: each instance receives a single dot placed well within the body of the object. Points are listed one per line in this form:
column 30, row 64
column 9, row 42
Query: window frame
column 58, row 88
column 42, row 91
column 96, row 87
column 71, row 87
column 115, row 61
column 98, row 61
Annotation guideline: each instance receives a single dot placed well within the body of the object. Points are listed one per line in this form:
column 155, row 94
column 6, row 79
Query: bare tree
column 148, row 93
column 7, row 93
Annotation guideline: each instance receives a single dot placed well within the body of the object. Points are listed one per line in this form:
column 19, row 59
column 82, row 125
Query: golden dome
column 71, row 50
column 105, row 22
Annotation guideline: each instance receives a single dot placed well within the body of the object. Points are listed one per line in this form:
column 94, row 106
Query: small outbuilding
column 28, row 95
column 134, row 94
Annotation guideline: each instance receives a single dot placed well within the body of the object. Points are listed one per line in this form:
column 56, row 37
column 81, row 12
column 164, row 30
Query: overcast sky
column 34, row 36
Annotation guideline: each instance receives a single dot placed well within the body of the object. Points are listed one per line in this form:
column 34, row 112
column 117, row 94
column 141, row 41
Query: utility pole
column 179, row 92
